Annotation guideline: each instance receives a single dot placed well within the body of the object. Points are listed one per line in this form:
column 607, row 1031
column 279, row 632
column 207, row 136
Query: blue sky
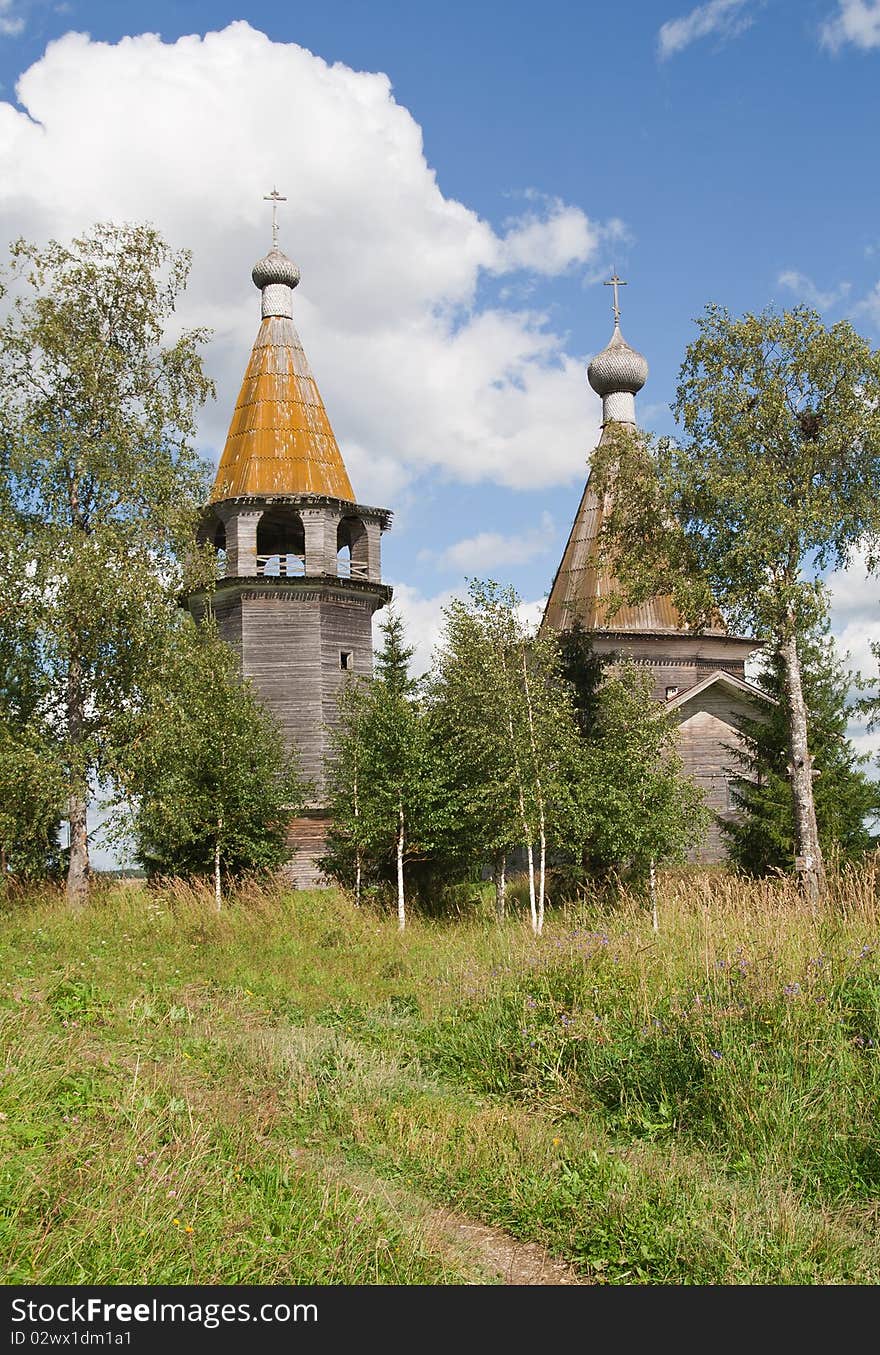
column 461, row 177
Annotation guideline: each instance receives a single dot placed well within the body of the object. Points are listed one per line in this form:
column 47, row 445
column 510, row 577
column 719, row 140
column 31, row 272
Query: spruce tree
column 386, row 793
column 763, row 837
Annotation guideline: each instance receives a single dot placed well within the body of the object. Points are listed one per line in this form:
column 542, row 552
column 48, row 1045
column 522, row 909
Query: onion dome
column 618, row 368
column 616, row 374
column 274, row 269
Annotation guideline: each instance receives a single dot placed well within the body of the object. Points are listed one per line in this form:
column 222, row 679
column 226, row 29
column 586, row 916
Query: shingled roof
column 280, row 440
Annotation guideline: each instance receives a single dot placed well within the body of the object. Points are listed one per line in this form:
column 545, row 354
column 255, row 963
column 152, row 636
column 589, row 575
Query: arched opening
column 281, row 543
column 351, row 549
column 212, row 531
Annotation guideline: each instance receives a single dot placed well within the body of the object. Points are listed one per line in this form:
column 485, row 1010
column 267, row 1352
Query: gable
column 726, row 698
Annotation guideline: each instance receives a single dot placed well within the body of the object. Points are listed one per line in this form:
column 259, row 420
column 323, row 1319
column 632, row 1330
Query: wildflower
column 716, row 1053
column 189, row 1228
column 176, row 1222
column 171, row 1194
column 792, row 989
column 556, row 1142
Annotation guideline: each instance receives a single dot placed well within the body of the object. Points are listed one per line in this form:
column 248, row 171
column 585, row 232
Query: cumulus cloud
column 550, row 244
column 417, row 373
column 423, row 620
column 869, row 306
column 11, row 23
column 722, row 19
column 855, row 22
column 804, row 288
column 481, row 554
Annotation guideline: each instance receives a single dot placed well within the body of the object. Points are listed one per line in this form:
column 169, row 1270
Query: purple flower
column 716, row 1053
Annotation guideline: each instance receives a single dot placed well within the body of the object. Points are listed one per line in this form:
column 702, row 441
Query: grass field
column 272, row 1094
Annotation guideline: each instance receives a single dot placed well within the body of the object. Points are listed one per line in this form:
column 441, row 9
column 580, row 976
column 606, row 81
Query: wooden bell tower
column 300, row 557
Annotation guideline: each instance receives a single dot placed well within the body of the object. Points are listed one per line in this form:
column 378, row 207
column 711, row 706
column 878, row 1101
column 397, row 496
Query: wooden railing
column 287, row 566
column 350, row 569
column 280, row 566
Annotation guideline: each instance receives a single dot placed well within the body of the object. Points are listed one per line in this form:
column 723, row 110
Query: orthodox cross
column 615, row 282
column 274, row 197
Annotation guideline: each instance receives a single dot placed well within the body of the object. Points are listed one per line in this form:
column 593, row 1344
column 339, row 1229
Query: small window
column 671, row 692
column 345, row 658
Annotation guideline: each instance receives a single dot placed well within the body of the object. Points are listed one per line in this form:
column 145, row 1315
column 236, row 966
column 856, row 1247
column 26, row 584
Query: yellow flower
column 556, row 1142
column 189, row 1228
column 176, row 1222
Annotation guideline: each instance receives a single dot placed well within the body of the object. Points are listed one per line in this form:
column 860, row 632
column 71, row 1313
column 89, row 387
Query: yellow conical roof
column 280, row 440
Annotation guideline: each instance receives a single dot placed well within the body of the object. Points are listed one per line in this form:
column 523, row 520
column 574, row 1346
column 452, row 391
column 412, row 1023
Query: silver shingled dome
column 617, row 368
column 275, row 268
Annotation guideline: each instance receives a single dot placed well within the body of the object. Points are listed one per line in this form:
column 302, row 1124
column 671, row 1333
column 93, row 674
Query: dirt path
column 489, row 1254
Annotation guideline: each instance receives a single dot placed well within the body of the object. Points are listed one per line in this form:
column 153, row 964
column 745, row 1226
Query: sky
column 460, row 180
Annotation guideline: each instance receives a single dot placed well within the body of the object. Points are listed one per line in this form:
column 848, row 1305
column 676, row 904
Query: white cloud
column 481, row 554
column 723, row 19
column 415, row 374
column 856, row 22
column 549, row 244
column 807, row 290
column 855, row 615
column 870, row 306
column 423, row 619
column 11, row 23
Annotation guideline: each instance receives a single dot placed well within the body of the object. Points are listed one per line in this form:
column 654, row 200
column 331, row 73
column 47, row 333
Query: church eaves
column 280, row 440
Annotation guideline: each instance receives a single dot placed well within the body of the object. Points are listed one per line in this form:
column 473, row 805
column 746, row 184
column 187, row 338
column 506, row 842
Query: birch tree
column 773, row 482
column 209, row 787
column 99, row 482
column 509, row 730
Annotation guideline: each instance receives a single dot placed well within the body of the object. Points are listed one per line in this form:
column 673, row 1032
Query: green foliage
column 513, row 745
column 583, row 670
column 635, row 806
column 205, row 770
column 773, row 482
column 504, row 715
column 762, row 838
column 31, row 804
column 385, row 779
column 99, row 481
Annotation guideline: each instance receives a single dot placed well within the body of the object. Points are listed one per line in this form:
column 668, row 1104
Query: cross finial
column 274, row 197
column 615, row 282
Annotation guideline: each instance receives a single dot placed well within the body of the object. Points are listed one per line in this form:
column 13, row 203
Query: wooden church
column 300, row 557
column 699, row 677
column 301, row 572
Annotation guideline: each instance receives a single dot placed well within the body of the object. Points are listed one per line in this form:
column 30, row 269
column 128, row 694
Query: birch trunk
column 809, row 864
column 357, row 854
column 652, row 885
column 401, row 907
column 500, row 876
column 77, row 801
column 537, row 913
column 532, row 902
column 217, row 895
column 541, row 880
column 527, row 835
column 78, row 863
